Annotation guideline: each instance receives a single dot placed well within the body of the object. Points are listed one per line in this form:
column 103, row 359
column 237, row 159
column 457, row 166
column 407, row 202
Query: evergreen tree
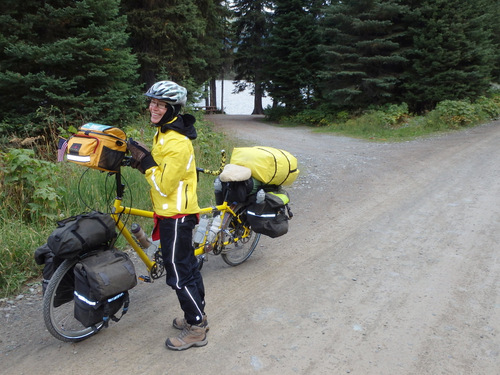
column 177, row 40
column 64, row 56
column 292, row 54
column 217, row 39
column 452, row 55
column 363, row 41
column 251, row 29
column 495, row 26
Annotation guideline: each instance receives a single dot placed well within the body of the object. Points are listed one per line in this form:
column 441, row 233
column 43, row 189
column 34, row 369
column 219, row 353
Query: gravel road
column 390, row 267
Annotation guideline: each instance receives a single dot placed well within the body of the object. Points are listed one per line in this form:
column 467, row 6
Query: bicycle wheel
column 58, row 306
column 244, row 241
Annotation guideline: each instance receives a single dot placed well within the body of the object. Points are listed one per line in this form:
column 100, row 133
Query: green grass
column 394, row 122
column 367, row 127
column 17, row 243
column 25, row 225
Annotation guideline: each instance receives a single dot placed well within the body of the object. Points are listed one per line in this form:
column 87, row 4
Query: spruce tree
column 363, row 42
column 217, row 49
column 68, row 59
column 495, row 27
column 452, row 55
column 177, row 40
column 292, row 54
column 251, row 29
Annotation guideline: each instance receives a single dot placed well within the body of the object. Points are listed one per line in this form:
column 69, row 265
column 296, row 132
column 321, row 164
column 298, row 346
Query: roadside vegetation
column 395, row 122
column 35, row 192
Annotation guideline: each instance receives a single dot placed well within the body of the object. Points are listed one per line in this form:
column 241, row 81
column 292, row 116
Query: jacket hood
column 183, row 124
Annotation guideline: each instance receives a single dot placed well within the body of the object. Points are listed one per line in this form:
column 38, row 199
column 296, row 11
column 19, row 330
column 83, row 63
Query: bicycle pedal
column 145, row 279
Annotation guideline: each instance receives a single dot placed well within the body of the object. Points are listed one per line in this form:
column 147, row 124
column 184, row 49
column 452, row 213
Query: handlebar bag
column 81, row 233
column 97, row 146
column 270, row 217
column 102, row 282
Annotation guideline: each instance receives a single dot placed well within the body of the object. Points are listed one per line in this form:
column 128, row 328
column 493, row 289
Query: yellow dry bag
column 269, row 165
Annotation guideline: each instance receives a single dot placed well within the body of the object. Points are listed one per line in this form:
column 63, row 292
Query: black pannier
column 82, row 233
column 271, row 216
column 235, row 184
column 237, row 191
column 102, row 282
column 45, row 256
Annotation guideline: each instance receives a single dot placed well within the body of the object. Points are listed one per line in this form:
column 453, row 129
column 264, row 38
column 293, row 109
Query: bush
column 489, row 106
column 394, row 115
column 275, row 114
column 342, row 116
column 369, row 123
column 29, row 189
column 311, row 117
column 457, row 113
column 318, row 117
column 390, row 116
column 387, row 117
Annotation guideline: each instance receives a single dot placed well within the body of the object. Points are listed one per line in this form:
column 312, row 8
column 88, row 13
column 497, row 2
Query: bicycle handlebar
column 126, row 161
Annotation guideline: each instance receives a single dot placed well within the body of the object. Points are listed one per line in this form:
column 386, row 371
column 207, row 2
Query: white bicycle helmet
column 168, row 91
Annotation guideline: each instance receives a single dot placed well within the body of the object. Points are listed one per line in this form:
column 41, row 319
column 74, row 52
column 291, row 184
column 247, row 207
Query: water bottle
column 151, row 251
column 261, row 196
column 201, row 230
column 140, row 236
column 217, row 185
column 148, row 246
column 219, row 199
column 214, row 229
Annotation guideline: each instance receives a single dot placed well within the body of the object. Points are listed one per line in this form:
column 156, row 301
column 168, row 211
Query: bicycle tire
column 59, row 317
column 239, row 251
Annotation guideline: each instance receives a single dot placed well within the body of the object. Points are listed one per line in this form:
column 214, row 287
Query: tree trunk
column 257, row 100
column 213, row 93
column 207, row 100
column 222, row 94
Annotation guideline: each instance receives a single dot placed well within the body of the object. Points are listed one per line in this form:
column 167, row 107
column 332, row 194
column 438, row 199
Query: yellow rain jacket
column 174, row 181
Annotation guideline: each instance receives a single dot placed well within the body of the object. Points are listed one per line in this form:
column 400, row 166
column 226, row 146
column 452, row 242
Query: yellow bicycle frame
column 118, row 209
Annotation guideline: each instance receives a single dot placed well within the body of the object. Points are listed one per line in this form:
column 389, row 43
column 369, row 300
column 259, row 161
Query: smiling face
column 157, row 109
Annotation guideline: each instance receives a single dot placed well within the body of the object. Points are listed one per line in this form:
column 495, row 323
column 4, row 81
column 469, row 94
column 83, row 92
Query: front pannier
column 102, row 282
column 97, row 146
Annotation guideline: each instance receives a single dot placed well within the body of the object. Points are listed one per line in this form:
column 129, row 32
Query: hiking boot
column 181, row 323
column 191, row 335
